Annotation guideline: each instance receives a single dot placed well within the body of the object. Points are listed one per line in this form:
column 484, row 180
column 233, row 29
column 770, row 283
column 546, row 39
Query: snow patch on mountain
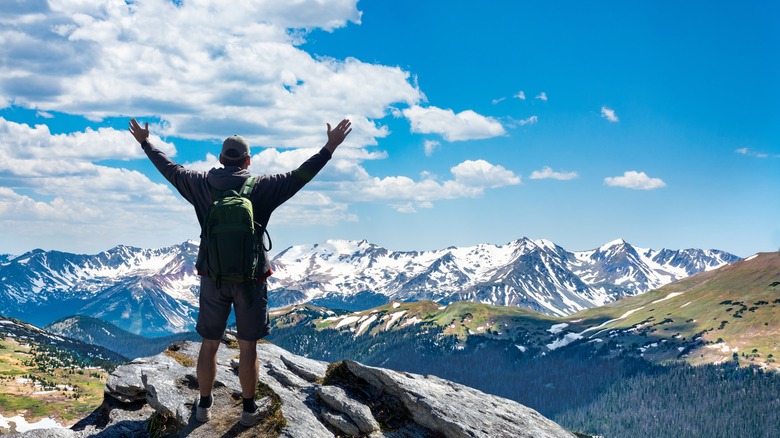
column 671, row 295
column 557, row 328
column 567, row 339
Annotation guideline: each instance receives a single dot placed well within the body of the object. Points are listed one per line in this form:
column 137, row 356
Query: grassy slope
column 19, row 399
column 732, row 309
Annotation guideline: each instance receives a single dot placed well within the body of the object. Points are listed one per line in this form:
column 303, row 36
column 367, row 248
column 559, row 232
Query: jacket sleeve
column 184, row 180
column 271, row 191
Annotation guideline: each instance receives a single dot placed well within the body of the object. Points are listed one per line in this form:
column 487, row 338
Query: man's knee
column 247, row 349
column 209, row 346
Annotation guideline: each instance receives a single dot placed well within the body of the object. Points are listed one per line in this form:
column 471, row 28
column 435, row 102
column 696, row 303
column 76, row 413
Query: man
column 249, row 300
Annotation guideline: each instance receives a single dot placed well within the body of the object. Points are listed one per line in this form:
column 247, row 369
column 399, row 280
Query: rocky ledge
column 305, row 398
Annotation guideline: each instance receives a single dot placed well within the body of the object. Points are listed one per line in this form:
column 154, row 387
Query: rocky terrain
column 305, row 398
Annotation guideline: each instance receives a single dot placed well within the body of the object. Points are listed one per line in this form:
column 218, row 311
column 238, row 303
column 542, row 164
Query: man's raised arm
column 183, row 180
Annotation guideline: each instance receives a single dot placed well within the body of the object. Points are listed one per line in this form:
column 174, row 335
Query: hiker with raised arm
column 233, row 209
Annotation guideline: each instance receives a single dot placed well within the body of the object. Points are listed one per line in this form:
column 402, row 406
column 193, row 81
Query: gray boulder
column 125, row 384
column 457, row 410
column 340, row 421
column 360, row 414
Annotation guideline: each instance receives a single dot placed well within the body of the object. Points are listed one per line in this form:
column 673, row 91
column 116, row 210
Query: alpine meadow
column 381, row 218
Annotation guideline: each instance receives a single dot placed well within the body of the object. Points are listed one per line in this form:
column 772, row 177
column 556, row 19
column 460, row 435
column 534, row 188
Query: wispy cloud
column 410, row 207
column 512, row 123
column 521, row 95
column 528, row 121
column 542, row 96
column 465, row 125
column 498, row 100
column 609, row 114
column 548, row 173
column 755, row 154
column 430, row 146
column 635, row 180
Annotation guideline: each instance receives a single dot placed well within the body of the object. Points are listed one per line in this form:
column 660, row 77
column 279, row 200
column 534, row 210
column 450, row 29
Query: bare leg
column 248, row 367
column 207, row 366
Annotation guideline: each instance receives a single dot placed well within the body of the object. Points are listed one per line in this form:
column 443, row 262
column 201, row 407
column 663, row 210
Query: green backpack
column 234, row 240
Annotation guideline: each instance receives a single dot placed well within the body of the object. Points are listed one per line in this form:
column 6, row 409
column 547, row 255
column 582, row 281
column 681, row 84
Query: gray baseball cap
column 234, row 148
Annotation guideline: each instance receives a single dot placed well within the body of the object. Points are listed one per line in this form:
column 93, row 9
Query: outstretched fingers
column 337, row 135
column 345, row 126
column 139, row 133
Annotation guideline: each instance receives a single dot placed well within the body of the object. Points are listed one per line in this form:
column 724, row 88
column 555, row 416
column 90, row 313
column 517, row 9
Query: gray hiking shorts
column 249, row 301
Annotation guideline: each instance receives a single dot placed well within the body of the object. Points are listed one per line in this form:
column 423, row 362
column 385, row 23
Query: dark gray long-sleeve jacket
column 270, row 191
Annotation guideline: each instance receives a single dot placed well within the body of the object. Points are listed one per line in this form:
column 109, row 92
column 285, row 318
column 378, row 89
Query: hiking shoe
column 249, row 419
column 202, row 414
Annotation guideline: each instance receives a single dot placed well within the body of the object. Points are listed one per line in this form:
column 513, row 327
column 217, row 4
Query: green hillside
column 462, row 320
column 706, row 318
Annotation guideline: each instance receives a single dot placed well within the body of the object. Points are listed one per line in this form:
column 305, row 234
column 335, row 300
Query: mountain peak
column 616, row 242
column 544, row 243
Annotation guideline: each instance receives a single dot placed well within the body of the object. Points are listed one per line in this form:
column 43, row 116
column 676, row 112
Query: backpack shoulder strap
column 248, row 186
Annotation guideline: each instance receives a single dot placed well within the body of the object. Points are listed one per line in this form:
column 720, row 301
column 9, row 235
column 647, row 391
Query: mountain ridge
column 531, row 273
column 153, row 292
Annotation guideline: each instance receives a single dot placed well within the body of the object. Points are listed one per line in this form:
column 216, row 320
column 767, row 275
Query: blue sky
column 474, row 122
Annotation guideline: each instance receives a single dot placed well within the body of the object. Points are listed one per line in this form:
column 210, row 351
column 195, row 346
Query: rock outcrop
column 155, row 396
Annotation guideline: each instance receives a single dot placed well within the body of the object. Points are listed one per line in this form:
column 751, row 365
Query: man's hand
column 337, row 135
column 140, row 134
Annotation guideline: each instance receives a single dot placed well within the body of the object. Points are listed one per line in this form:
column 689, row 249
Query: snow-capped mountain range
column 144, row 291
column 155, row 291
column 536, row 274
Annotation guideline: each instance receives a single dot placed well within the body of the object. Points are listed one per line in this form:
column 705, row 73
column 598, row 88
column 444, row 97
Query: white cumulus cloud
column 205, row 69
column 542, row 96
column 480, row 173
column 635, row 180
column 465, row 125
